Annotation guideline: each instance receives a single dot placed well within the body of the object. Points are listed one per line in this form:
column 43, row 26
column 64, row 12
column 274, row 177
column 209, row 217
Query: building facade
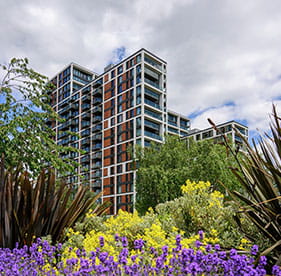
column 110, row 112
column 228, row 128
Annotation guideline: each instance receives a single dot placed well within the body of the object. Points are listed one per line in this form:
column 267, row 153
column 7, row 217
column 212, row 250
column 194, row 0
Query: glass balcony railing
column 173, row 130
column 152, row 83
column 97, row 119
column 151, row 103
column 97, row 146
column 153, row 114
column 153, row 63
column 152, row 135
column 97, row 137
column 97, row 155
column 97, row 101
column 152, row 94
column 97, row 109
column 151, row 125
column 97, row 165
column 97, row 128
column 97, row 174
column 172, row 123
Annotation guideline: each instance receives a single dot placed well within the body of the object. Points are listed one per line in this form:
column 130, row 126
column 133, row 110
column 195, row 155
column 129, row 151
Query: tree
column 164, row 168
column 24, row 111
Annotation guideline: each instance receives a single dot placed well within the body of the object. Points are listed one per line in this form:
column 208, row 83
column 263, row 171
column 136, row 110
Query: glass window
column 113, row 74
column 120, row 69
column 112, row 121
column 119, row 88
column 120, row 118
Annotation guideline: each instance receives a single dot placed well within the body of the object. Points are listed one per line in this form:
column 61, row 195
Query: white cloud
column 218, row 52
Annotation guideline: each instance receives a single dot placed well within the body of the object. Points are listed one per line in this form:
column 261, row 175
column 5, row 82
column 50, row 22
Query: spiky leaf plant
column 260, row 174
column 35, row 208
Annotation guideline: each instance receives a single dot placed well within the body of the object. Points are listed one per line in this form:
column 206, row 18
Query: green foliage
column 200, row 208
column 260, row 174
column 35, row 208
column 24, row 110
column 164, row 168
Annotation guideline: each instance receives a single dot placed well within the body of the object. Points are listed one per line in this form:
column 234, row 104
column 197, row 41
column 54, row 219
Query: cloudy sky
column 224, row 56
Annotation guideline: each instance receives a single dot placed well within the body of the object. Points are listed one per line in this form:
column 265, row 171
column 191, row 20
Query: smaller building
column 227, row 128
column 177, row 124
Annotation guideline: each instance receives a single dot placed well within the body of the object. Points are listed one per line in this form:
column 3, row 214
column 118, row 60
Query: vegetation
column 30, row 209
column 260, row 174
column 24, row 110
column 164, row 168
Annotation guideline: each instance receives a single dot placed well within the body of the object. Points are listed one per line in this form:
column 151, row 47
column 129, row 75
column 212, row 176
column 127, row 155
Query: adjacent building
column 124, row 106
column 230, row 129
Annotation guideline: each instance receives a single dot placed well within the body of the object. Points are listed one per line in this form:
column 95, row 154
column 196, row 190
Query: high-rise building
column 124, row 106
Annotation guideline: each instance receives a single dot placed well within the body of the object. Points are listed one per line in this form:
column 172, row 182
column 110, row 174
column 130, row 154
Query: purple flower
column 254, row 250
column 101, row 238
column 124, row 241
column 201, row 234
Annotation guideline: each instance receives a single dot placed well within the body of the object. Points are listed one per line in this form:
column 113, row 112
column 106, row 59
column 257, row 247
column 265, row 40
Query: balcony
column 62, row 134
column 152, row 94
column 97, row 119
column 97, row 174
column 97, row 146
column 152, row 135
column 85, row 132
column 98, row 83
column 86, row 99
column 85, row 142
column 97, row 101
column 64, row 110
column 85, row 124
column 85, row 159
column 97, row 165
column 96, row 183
column 97, row 137
column 153, row 114
column 151, row 103
column 151, row 125
column 86, row 116
column 97, row 128
column 85, row 106
column 152, row 83
column 74, row 106
column 97, row 155
column 97, row 92
column 152, row 63
column 152, row 75
column 173, row 123
column 97, row 109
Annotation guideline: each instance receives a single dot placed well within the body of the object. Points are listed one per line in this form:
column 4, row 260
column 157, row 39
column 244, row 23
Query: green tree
column 164, row 168
column 24, row 111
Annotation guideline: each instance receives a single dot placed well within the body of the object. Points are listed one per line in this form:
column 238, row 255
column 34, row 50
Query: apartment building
column 227, row 128
column 124, row 106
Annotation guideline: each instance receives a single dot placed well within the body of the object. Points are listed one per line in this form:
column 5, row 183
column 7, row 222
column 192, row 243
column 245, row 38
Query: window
column 120, row 118
column 112, row 121
column 138, row 110
column 119, row 169
column 119, row 99
column 120, row 69
column 138, row 58
column 113, row 74
column 112, row 170
column 119, row 88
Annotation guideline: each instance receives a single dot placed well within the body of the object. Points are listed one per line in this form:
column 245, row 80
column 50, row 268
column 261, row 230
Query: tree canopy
column 164, row 168
column 25, row 138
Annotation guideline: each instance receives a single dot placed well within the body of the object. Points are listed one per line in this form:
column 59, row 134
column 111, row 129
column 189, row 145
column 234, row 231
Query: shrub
column 201, row 208
column 36, row 208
